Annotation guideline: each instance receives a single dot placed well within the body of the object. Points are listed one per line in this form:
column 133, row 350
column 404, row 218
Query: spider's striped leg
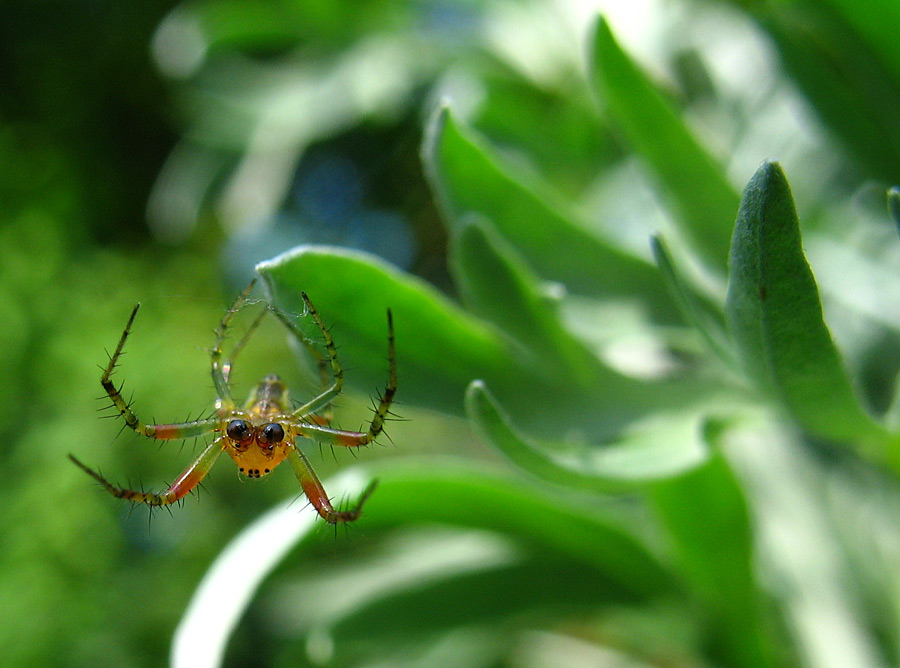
column 314, row 491
column 161, row 431
column 354, row 439
column 177, row 490
column 220, row 371
column 331, row 387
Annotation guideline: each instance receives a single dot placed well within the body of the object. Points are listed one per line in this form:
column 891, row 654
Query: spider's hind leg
column 315, row 492
column 182, row 486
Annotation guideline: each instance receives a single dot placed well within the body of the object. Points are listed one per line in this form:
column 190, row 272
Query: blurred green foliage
column 650, row 420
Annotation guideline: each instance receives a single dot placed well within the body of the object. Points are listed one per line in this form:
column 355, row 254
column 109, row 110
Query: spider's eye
column 238, row 430
column 272, row 433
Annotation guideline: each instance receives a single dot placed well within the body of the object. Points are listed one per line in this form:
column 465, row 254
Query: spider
column 262, row 434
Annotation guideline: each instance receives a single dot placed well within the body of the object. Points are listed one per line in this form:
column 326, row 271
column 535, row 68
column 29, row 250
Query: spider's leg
column 226, row 366
column 177, row 490
column 220, row 371
column 353, row 439
column 162, row 431
column 321, row 403
column 314, row 491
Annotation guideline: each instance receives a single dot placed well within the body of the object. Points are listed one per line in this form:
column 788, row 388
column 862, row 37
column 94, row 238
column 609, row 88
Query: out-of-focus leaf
column 700, row 312
column 450, row 493
column 440, row 349
column 468, row 180
column 894, row 205
column 853, row 89
column 466, row 496
column 660, row 447
column 705, row 516
column 876, row 22
column 560, row 130
column 542, row 587
column 775, row 318
column 703, row 199
column 497, row 285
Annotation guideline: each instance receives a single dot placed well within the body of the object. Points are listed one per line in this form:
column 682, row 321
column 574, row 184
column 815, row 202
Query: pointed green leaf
column 894, row 206
column 705, row 516
column 698, row 311
column 496, row 284
column 467, row 179
column 410, row 492
column 440, row 348
column 856, row 94
column 663, row 446
column 775, row 317
column 703, row 200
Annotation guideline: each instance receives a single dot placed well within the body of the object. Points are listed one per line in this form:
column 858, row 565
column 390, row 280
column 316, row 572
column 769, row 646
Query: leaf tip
column 893, row 197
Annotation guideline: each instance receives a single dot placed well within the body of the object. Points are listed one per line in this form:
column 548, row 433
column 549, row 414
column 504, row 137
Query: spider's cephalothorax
column 256, row 436
column 265, row 432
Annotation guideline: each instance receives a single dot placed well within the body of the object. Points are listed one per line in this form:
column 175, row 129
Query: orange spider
column 263, row 433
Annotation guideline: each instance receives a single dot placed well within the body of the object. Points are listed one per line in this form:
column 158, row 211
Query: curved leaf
column 452, row 493
column 706, row 317
column 497, row 285
column 467, row 179
column 775, row 318
column 703, row 199
column 440, row 349
column 663, row 446
column 705, row 515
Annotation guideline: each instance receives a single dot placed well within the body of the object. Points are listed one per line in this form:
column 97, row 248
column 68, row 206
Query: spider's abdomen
column 269, row 397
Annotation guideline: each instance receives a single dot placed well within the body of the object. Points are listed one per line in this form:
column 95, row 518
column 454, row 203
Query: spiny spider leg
column 354, row 439
column 314, row 491
column 177, row 490
column 322, row 402
column 263, row 433
column 161, row 431
column 220, row 374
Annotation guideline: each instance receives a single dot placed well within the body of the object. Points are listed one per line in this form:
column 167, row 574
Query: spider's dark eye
column 272, row 433
column 238, row 430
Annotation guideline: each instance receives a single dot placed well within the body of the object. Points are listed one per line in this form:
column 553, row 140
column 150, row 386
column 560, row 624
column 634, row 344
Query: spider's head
column 257, row 447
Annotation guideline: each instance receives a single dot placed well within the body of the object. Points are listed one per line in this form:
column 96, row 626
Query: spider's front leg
column 186, row 482
column 315, row 492
column 355, row 439
column 160, row 431
column 220, row 371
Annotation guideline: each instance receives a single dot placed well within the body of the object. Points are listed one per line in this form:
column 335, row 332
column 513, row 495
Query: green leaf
column 497, row 285
column 558, row 126
column 440, row 349
column 698, row 311
column 444, row 492
column 850, row 85
column 702, row 198
column 876, row 22
column 775, row 317
column 894, row 206
column 545, row 588
column 468, row 180
column 705, row 516
column 659, row 447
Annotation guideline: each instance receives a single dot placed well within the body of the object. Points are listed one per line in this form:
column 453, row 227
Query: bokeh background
column 157, row 151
